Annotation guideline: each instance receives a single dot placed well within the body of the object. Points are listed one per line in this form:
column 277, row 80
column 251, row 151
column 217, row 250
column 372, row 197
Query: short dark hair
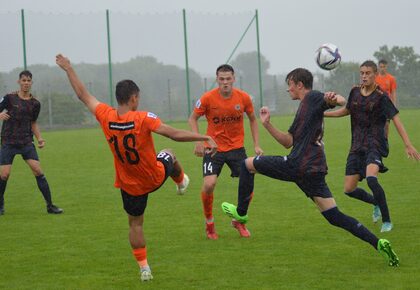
column 370, row 63
column 383, row 61
column 225, row 68
column 124, row 90
column 301, row 75
column 25, row 73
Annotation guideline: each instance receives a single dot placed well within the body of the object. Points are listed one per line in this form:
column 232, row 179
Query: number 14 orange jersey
column 225, row 117
column 130, row 139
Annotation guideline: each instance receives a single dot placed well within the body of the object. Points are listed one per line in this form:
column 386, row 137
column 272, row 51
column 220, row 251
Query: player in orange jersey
column 139, row 171
column 388, row 84
column 224, row 109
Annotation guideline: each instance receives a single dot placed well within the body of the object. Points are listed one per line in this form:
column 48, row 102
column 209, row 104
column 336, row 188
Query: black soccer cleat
column 1, row 211
column 53, row 209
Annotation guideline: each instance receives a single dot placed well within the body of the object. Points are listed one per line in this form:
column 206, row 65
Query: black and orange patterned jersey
column 18, row 129
column 307, row 155
column 368, row 117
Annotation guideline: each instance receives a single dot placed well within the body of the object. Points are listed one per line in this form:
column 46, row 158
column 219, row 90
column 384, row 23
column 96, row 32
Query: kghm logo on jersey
column 226, row 119
column 237, row 107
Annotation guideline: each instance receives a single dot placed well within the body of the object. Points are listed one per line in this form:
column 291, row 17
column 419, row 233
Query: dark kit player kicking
column 306, row 164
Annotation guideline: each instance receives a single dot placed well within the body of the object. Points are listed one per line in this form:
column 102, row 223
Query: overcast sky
column 290, row 31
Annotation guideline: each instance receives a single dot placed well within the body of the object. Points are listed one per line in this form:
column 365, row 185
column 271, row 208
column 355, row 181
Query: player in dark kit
column 19, row 112
column 370, row 108
column 306, row 164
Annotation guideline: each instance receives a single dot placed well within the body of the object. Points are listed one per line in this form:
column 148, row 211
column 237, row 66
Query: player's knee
column 37, row 172
column 5, row 176
column 349, row 188
column 248, row 165
column 209, row 187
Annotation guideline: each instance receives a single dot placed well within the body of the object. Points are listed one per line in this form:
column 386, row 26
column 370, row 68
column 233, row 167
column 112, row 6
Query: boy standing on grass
column 369, row 109
column 19, row 112
column 139, row 171
column 224, row 108
column 306, row 164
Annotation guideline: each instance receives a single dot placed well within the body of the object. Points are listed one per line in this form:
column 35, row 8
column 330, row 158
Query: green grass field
column 292, row 246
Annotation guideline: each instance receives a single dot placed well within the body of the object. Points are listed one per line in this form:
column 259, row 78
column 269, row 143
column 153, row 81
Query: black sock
column 380, row 198
column 245, row 189
column 3, row 184
column 361, row 194
column 44, row 188
column 335, row 217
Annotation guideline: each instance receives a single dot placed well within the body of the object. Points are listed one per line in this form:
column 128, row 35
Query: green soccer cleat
column 385, row 249
column 230, row 210
column 376, row 215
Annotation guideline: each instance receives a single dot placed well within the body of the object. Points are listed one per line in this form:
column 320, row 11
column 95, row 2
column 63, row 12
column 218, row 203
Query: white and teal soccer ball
column 328, row 56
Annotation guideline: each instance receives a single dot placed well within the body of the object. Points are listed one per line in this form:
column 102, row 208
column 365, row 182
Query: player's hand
column 331, row 98
column 258, row 150
column 265, row 115
column 213, row 147
column 62, row 62
column 199, row 149
column 412, row 152
column 4, row 116
column 41, row 143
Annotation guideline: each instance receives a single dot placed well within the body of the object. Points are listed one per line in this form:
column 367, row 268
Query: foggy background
column 147, row 46
column 290, row 31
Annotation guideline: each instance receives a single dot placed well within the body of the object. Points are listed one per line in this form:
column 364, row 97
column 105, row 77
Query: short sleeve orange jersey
column 130, row 139
column 225, row 117
column 387, row 83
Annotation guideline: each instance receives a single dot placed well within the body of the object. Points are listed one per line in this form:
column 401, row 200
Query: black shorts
column 8, row 152
column 213, row 165
column 135, row 205
column 357, row 163
column 278, row 167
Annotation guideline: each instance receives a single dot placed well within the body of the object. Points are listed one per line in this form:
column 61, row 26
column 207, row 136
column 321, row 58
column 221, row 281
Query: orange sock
column 141, row 256
column 207, row 200
column 179, row 178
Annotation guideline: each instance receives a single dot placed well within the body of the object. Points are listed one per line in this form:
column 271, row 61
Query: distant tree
column 65, row 111
column 342, row 79
column 2, row 84
column 246, row 68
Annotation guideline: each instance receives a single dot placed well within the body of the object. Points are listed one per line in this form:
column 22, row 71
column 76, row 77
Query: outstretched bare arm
column 409, row 148
column 185, row 136
column 285, row 139
column 79, row 88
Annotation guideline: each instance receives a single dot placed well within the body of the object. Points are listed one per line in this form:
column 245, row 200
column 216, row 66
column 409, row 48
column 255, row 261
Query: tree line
column 163, row 87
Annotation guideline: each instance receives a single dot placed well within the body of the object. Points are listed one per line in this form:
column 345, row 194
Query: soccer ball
column 328, row 56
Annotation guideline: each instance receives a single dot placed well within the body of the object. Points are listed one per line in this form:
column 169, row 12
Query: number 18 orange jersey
column 130, row 139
